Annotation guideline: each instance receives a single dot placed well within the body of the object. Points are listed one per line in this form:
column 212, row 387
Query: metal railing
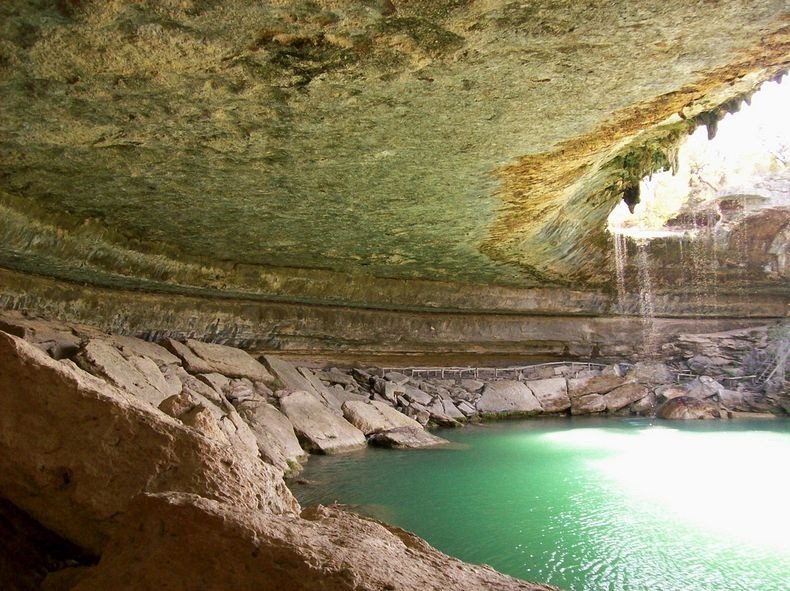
column 496, row 372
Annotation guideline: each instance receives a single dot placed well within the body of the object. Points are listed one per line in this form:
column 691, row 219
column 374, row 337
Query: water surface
column 589, row 504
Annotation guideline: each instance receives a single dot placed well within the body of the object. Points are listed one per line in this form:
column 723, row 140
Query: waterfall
column 647, row 309
column 620, row 262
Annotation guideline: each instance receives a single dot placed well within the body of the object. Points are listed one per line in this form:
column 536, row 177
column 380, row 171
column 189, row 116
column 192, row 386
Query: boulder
column 473, row 386
column 651, row 372
column 325, row 394
column 405, row 438
column 703, row 387
column 613, row 370
column 587, row 404
column 670, row 391
column 388, row 390
column 374, row 416
column 623, row 396
column 451, row 410
column 439, row 416
column 552, row 394
column 416, row 395
column 686, row 407
column 131, row 346
column 508, row 397
column 396, row 377
column 418, row 412
column 97, row 446
column 228, row 361
column 334, row 376
column 214, row 380
column 192, row 384
column 274, row 434
column 319, row 430
column 467, row 409
column 646, row 406
column 191, row 362
column 595, row 385
column 138, row 375
column 182, row 541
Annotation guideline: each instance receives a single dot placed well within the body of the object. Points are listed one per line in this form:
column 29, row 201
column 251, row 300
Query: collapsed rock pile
column 159, row 466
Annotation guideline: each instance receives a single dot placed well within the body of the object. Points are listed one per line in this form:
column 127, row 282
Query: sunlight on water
column 730, row 484
column 588, row 505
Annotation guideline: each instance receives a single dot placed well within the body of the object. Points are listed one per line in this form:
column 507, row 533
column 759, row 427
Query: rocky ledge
column 166, row 461
column 126, row 464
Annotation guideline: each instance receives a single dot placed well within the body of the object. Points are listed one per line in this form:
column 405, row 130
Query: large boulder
column 74, row 450
column 228, row 361
column 319, row 429
column 274, row 433
column 686, row 407
column 623, row 396
column 133, row 346
column 56, row 339
column 405, row 438
column 182, row 541
column 302, row 379
column 703, row 387
column 372, row 417
column 138, row 375
column 552, row 394
column 594, row 385
column 587, row 404
column 508, row 397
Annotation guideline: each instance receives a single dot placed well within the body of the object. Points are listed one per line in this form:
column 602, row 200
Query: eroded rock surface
column 319, row 429
column 508, row 397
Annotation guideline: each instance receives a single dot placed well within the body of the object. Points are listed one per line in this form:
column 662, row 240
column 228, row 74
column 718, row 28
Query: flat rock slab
column 551, row 393
column 623, row 396
column 303, row 380
column 405, row 438
column 134, row 346
column 506, row 397
column 319, row 430
column 228, row 361
column 274, row 433
column 139, row 376
column 594, row 385
column 376, row 416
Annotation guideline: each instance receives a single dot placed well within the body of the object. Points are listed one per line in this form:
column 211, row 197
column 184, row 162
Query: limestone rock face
column 552, row 394
column 686, row 407
column 95, row 447
column 319, row 429
column 274, row 434
column 174, row 540
column 506, row 397
column 376, row 416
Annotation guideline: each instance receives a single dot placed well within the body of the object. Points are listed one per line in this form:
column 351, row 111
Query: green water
column 611, row 505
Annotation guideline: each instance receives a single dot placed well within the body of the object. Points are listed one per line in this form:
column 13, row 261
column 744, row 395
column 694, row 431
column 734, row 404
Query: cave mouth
column 743, row 160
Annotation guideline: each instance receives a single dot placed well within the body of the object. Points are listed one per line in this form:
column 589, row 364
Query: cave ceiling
column 236, row 146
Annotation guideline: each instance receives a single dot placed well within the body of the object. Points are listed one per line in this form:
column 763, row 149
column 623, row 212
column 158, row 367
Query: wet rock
column 646, row 406
column 587, row 404
column 686, row 407
column 405, row 438
column 181, row 541
column 137, row 375
column 376, row 416
column 552, row 394
column 623, row 396
column 274, row 435
column 98, row 446
column 319, row 430
column 508, row 397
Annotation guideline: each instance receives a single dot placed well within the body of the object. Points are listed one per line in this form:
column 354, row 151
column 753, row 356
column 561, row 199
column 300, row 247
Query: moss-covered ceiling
column 207, row 144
